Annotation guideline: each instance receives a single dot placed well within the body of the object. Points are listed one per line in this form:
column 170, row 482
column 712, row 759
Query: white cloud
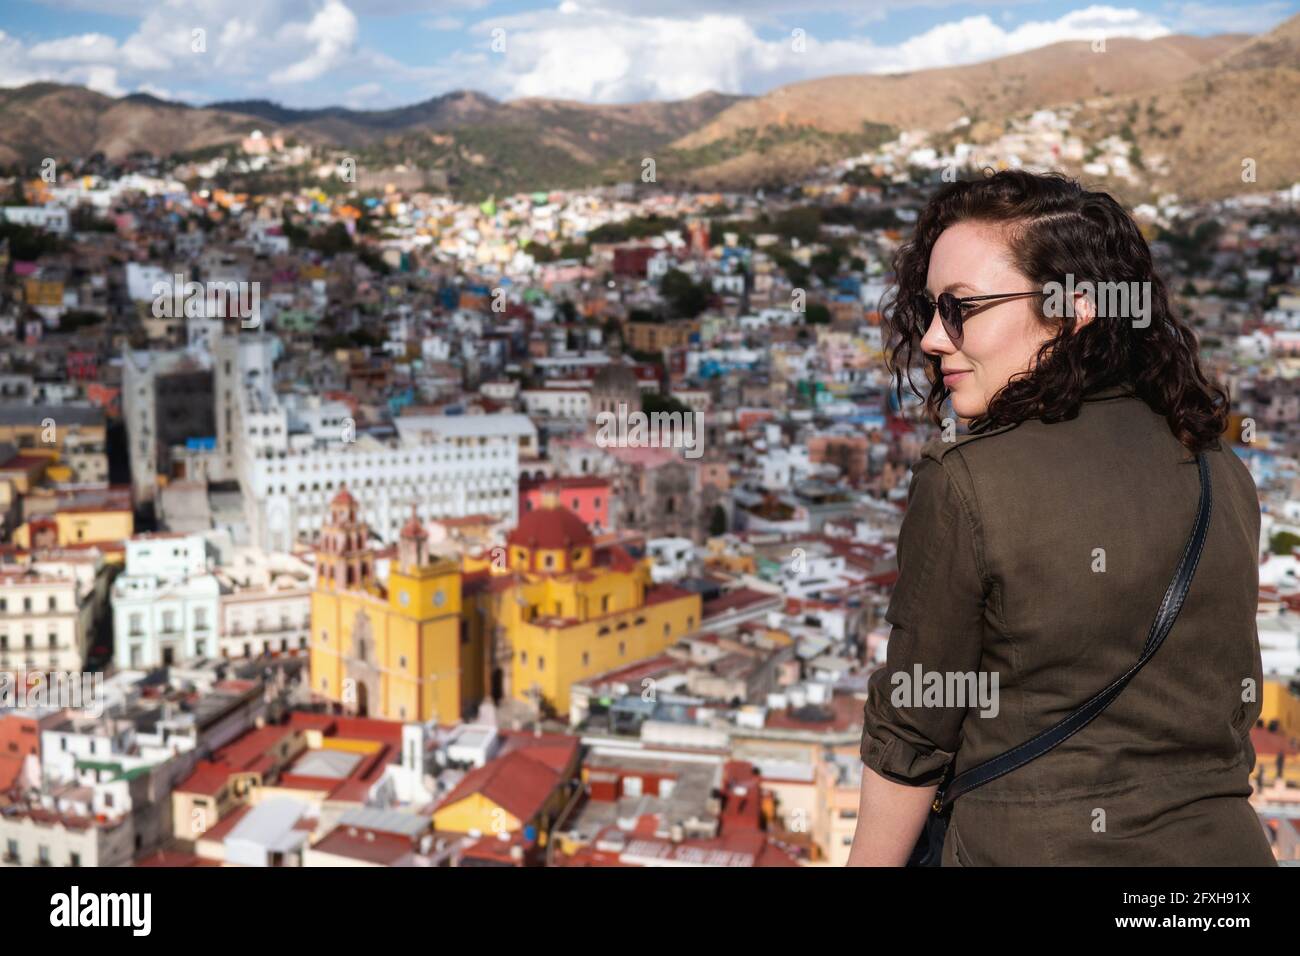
column 309, row 52
column 586, row 52
column 240, row 44
column 87, row 48
column 332, row 34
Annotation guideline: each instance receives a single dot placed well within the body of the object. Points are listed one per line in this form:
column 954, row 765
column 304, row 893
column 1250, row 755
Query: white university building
column 292, row 451
column 165, row 603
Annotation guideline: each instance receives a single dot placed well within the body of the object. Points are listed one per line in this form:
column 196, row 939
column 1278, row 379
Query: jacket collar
column 1114, row 391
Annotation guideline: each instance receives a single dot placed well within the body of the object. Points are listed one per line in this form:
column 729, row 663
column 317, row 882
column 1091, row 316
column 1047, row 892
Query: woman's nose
column 936, row 341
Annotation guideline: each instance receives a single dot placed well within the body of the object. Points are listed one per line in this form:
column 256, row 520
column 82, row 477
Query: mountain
column 530, row 143
column 991, row 91
column 1239, row 106
column 49, row 119
column 1194, row 106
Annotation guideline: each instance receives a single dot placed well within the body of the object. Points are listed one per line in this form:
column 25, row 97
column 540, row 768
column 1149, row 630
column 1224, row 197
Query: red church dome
column 551, row 529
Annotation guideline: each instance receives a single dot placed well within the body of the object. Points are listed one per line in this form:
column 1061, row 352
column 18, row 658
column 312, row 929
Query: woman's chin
column 968, row 406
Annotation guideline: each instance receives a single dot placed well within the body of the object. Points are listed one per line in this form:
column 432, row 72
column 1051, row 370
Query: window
column 43, row 855
column 11, row 852
column 74, row 859
column 586, row 658
column 541, row 663
column 668, row 629
column 54, row 603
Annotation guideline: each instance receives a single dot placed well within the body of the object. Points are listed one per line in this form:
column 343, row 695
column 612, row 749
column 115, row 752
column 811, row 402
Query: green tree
column 684, row 296
column 817, row 314
column 718, row 521
column 1284, row 542
column 332, row 241
column 652, row 402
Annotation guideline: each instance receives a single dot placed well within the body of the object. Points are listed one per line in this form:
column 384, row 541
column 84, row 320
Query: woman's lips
column 952, row 378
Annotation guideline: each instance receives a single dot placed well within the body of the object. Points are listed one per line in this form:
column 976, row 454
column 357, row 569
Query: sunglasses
column 952, row 310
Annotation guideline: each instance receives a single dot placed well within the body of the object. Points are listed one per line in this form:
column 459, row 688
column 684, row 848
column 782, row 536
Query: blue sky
column 380, row 53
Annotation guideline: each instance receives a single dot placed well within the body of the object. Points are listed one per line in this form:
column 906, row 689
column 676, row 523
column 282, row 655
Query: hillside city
column 327, row 539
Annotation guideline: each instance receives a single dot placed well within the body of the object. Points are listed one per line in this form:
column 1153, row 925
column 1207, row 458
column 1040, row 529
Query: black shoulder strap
column 1160, row 627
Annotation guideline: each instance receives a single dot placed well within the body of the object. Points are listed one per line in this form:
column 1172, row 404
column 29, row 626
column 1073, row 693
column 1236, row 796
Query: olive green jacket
column 1036, row 556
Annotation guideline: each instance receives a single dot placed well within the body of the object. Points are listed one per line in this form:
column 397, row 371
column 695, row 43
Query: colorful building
column 69, row 519
column 392, row 650
column 555, row 608
column 512, row 800
column 587, row 497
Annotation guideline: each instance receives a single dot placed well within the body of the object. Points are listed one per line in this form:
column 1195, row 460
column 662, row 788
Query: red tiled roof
column 665, row 592
column 521, row 779
column 739, row 599
column 616, row 558
column 205, row 779
column 370, row 846
column 221, row 829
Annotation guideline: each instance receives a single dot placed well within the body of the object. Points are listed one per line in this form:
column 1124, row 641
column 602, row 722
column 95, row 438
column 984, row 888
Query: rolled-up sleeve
column 936, row 615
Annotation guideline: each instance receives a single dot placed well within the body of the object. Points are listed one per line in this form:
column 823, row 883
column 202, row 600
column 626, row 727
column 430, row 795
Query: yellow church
column 553, row 608
column 389, row 650
column 526, row 621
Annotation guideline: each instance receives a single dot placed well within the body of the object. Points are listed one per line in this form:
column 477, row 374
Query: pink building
column 587, row 497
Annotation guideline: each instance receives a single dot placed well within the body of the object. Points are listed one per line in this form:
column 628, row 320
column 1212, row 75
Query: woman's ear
column 1085, row 309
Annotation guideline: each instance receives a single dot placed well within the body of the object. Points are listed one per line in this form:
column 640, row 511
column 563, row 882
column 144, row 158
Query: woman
column 1037, row 547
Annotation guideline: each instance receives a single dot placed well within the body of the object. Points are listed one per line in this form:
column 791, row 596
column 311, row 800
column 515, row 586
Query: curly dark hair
column 1054, row 229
